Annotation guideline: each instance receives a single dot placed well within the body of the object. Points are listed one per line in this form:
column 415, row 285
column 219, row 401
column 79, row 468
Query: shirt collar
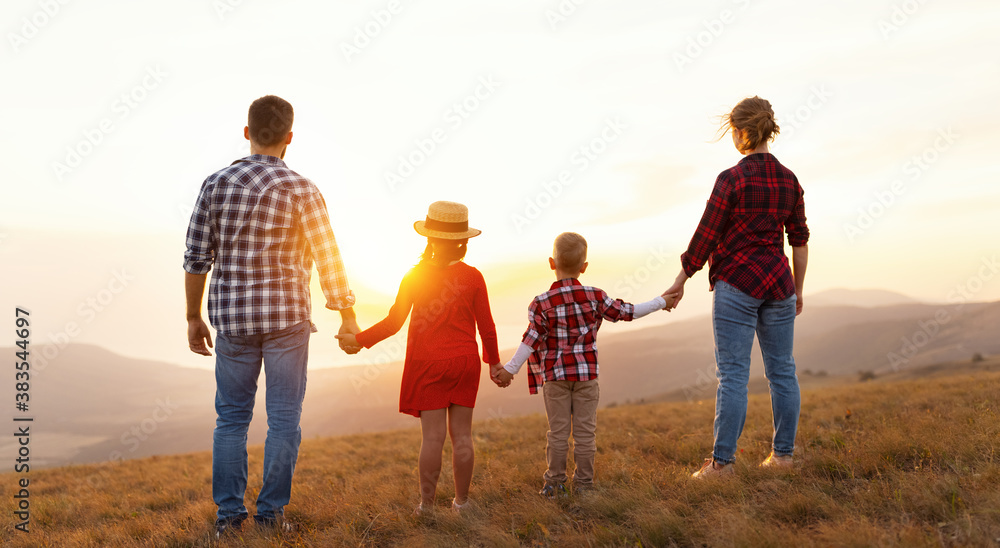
column 565, row 282
column 262, row 159
column 757, row 157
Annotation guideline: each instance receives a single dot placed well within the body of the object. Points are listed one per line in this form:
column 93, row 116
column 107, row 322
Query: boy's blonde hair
column 570, row 251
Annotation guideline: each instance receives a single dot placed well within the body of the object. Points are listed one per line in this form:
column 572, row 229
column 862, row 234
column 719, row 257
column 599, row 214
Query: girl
column 441, row 372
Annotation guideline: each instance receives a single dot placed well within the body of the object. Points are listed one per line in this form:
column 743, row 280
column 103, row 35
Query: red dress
column 442, row 358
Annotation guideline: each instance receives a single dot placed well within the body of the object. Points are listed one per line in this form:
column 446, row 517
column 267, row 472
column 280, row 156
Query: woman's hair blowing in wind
column 753, row 117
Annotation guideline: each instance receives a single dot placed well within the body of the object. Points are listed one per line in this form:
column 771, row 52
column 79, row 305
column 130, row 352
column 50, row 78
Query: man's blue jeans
column 736, row 316
column 237, row 367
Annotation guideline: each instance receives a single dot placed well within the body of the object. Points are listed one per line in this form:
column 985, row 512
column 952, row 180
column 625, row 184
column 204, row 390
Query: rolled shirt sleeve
column 795, row 226
column 201, row 238
column 538, row 327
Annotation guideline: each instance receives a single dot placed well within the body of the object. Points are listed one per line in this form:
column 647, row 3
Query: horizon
column 598, row 119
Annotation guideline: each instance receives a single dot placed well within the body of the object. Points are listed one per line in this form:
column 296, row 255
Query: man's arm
column 332, row 275
column 198, row 333
column 800, row 258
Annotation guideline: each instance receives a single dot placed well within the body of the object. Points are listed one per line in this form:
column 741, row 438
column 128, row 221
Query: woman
column 755, row 291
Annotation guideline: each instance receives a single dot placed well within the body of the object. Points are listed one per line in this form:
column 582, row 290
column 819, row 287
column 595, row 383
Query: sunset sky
column 541, row 116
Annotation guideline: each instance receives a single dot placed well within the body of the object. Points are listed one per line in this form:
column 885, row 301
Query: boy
column 560, row 346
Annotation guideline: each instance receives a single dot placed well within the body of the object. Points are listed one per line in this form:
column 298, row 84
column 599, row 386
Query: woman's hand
column 676, row 291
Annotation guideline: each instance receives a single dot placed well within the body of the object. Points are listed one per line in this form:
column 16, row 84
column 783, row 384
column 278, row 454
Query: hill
column 95, row 405
column 905, row 463
column 862, row 298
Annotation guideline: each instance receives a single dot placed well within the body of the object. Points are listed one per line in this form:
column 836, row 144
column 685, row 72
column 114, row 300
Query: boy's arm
column 648, row 307
column 520, row 356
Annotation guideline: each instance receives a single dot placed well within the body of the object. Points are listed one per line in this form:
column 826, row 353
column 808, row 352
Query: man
column 261, row 225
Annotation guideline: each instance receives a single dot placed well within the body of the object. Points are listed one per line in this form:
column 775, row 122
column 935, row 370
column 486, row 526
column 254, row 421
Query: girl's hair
column 447, row 251
column 755, row 118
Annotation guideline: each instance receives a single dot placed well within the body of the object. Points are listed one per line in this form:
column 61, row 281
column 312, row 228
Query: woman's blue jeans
column 237, row 367
column 736, row 317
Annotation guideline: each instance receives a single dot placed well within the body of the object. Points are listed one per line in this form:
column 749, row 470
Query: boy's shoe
column 459, row 508
column 228, row 526
column 552, row 491
column 280, row 525
column 583, row 490
column 777, row 461
column 712, row 468
column 422, row 510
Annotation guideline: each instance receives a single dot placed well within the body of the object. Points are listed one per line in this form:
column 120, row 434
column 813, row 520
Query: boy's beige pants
column 571, row 405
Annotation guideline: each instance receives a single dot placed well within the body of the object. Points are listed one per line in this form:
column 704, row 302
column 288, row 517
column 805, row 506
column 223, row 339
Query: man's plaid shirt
column 740, row 233
column 562, row 331
column 262, row 225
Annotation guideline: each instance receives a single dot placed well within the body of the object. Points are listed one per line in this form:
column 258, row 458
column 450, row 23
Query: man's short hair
column 270, row 120
column 570, row 251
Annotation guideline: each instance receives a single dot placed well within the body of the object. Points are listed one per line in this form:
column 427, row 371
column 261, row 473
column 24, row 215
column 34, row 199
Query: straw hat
column 447, row 221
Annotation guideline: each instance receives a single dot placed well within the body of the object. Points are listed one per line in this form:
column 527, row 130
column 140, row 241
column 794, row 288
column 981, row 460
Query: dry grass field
column 907, row 463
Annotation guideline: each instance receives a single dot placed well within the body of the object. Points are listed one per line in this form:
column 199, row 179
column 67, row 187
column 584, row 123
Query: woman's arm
column 712, row 226
column 800, row 258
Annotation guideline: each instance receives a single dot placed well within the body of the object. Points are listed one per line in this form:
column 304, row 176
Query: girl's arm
column 484, row 321
column 393, row 322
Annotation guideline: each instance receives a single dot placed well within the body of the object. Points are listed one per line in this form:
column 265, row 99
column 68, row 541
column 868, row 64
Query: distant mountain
column 90, row 404
column 865, row 298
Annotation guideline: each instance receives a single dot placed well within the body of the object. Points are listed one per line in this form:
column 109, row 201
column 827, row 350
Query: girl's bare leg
column 463, row 453
column 433, row 431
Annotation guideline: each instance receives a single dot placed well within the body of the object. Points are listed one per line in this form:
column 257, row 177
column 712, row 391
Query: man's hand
column 798, row 304
column 348, row 341
column 198, row 336
column 349, row 326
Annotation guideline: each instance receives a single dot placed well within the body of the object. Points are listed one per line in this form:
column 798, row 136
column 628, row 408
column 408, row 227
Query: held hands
column 346, row 337
column 671, row 299
column 500, row 376
column 675, row 293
